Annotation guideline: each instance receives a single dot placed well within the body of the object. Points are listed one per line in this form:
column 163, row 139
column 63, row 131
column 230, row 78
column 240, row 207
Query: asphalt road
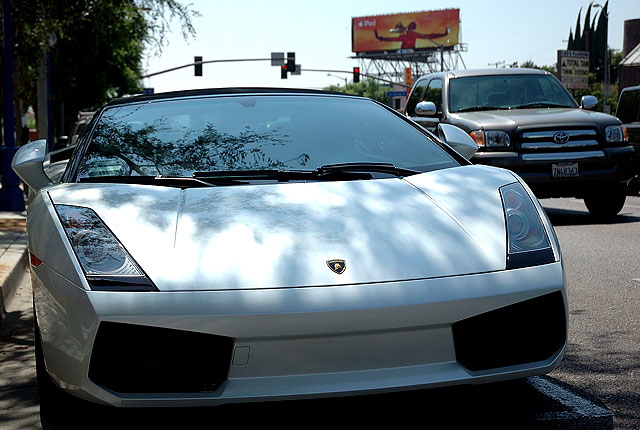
column 597, row 386
column 602, row 264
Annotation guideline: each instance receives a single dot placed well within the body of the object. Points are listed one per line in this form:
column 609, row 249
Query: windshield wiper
column 540, row 105
column 479, row 108
column 168, row 181
column 327, row 172
column 246, row 174
column 280, row 175
column 329, row 169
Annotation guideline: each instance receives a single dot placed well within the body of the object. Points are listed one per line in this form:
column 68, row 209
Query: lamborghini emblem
column 337, row 266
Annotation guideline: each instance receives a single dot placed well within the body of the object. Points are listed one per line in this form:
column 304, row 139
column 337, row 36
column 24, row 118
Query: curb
column 13, row 259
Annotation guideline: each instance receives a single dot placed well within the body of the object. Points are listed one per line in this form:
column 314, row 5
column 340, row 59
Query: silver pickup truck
column 525, row 120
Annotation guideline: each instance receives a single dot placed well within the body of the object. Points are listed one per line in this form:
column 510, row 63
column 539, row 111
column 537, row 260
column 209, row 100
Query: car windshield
column 180, row 137
column 507, row 92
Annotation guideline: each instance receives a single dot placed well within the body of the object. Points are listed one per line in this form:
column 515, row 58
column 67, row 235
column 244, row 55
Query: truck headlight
column 491, row 138
column 614, row 133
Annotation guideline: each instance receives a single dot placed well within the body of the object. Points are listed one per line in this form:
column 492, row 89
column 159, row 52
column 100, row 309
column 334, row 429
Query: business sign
column 405, row 32
column 574, row 69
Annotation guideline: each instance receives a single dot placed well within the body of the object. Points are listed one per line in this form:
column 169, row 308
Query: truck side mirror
column 426, row 109
column 588, row 102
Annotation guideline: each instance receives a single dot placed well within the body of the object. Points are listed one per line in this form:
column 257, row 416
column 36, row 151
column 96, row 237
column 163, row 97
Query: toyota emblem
column 561, row 137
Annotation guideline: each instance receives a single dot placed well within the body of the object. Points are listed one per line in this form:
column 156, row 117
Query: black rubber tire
column 606, row 201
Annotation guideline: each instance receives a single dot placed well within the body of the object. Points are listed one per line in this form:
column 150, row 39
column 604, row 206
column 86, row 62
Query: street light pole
column 340, row 77
column 605, row 106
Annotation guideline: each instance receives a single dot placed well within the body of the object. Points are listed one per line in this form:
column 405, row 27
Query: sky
column 319, row 33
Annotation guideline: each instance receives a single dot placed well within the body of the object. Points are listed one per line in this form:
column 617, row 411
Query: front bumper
column 611, row 165
column 306, row 342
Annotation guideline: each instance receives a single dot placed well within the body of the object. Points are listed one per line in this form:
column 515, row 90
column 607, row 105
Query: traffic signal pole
column 360, row 74
column 200, row 63
column 285, row 68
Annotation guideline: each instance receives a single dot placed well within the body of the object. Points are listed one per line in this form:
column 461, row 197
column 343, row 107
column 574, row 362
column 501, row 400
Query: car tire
column 605, row 202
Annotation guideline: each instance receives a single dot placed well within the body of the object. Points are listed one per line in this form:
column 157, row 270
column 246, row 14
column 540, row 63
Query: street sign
column 396, row 94
column 574, row 69
column 277, row 58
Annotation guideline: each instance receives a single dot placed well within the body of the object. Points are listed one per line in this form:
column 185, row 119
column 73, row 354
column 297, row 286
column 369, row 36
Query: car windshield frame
column 316, row 126
column 507, row 92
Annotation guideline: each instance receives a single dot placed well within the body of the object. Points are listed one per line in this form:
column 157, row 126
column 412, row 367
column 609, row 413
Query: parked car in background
column 237, row 245
column 629, row 113
column 526, row 121
column 84, row 118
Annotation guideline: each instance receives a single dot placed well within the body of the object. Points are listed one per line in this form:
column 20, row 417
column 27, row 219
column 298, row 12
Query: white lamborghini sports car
column 236, row 245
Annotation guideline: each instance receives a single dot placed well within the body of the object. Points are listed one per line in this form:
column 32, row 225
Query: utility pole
column 605, row 106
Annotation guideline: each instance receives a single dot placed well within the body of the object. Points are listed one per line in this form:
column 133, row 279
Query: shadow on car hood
column 442, row 223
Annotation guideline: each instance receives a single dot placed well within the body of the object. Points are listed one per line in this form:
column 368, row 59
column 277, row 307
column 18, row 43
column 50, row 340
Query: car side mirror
column 28, row 164
column 426, row 109
column 588, row 102
column 458, row 139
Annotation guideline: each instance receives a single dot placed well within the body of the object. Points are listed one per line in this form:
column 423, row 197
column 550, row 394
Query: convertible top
column 219, row 91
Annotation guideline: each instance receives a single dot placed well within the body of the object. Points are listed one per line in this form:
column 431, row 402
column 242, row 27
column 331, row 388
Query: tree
column 591, row 38
column 529, row 64
column 367, row 88
column 95, row 49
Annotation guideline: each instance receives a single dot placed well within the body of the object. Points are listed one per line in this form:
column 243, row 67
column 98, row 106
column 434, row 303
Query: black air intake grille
column 130, row 358
column 530, row 331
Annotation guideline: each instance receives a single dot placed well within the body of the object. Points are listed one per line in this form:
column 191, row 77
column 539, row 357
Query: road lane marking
column 578, row 407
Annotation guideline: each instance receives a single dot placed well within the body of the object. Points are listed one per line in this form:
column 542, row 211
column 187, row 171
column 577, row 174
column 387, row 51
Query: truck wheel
column 605, row 202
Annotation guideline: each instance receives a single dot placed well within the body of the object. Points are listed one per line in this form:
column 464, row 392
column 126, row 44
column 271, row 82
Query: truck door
column 430, row 91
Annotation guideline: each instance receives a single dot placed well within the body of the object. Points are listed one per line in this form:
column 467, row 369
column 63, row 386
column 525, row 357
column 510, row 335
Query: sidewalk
column 13, row 257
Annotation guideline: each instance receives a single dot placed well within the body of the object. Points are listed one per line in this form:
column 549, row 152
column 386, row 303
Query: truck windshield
column 507, row 92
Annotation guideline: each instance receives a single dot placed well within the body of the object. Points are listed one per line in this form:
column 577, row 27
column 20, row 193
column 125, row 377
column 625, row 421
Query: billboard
column 405, row 32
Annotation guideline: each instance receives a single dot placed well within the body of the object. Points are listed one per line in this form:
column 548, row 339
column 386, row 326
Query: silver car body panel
column 316, row 341
column 249, row 263
column 281, row 235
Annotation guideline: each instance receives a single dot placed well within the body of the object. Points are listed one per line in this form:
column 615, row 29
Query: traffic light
column 291, row 61
column 197, row 66
column 283, row 71
column 356, row 74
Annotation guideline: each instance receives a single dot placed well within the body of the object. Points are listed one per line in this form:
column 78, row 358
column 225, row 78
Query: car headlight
column 105, row 262
column 614, row 133
column 491, row 138
column 528, row 241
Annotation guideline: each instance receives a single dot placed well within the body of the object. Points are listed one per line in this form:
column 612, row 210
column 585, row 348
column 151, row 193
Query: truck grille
column 558, row 139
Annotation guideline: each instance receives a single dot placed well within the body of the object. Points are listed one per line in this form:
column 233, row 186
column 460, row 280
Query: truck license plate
column 564, row 170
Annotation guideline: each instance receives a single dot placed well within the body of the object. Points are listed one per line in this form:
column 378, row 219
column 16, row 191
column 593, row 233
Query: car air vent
column 130, row 358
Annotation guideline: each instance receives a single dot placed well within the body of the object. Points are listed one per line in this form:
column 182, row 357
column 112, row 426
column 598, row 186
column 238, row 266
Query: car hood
column 522, row 118
column 443, row 223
